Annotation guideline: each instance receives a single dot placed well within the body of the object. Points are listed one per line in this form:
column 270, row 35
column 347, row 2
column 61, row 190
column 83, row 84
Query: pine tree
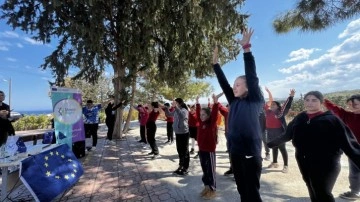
column 130, row 36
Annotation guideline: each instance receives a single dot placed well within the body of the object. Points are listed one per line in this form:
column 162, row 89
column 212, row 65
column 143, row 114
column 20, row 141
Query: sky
column 327, row 61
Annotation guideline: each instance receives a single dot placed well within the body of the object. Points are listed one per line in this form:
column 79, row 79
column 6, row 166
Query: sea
column 36, row 112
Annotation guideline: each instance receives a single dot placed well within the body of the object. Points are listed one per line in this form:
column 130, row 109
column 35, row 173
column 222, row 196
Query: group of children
column 319, row 137
column 187, row 122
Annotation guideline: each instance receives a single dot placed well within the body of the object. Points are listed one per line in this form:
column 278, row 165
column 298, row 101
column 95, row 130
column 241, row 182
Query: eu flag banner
column 48, row 174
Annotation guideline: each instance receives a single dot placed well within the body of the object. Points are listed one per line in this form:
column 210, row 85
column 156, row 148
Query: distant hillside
column 346, row 93
column 338, row 94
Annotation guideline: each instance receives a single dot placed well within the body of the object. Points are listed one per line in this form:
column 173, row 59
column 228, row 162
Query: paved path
column 124, row 172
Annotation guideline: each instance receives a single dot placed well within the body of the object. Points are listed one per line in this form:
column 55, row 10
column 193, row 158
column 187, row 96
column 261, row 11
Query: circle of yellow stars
column 67, row 176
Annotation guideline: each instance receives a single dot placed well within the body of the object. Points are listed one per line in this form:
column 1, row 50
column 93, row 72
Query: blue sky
column 327, row 61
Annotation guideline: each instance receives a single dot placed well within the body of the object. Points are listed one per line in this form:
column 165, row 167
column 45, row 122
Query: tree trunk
column 128, row 119
column 117, row 134
column 119, row 75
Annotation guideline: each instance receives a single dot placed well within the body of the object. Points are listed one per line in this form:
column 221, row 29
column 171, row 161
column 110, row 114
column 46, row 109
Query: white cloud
column 301, row 54
column 32, row 41
column 343, row 53
column 335, row 70
column 309, row 64
column 9, row 34
column 11, row 59
column 352, row 28
column 4, row 45
column 19, row 45
column 3, row 48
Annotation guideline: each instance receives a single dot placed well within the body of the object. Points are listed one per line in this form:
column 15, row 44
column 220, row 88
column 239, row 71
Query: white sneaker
column 93, row 149
column 112, row 142
column 273, row 165
column 285, row 169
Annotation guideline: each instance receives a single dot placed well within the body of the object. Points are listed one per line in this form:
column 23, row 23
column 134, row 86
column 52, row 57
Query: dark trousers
column 170, row 131
column 4, row 130
column 247, row 173
column 91, row 131
column 273, row 133
column 3, row 137
column 284, row 154
column 110, row 123
column 193, row 132
column 11, row 129
column 143, row 133
column 265, row 141
column 208, row 166
column 151, row 130
column 227, row 147
column 182, row 147
column 354, row 177
column 320, row 176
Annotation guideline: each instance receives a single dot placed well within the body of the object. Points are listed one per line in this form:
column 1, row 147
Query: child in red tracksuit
column 169, row 123
column 207, row 140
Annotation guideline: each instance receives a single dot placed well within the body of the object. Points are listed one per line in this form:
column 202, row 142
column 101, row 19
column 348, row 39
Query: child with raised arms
column 207, row 140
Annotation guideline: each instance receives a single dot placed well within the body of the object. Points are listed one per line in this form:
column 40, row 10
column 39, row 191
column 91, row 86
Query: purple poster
column 68, row 121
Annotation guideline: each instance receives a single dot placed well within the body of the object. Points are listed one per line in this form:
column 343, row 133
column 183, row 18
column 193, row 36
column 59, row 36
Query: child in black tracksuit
column 319, row 139
column 110, row 112
column 244, row 133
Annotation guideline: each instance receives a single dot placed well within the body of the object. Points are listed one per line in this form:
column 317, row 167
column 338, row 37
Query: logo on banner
column 68, row 111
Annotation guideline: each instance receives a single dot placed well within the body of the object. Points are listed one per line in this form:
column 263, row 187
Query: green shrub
column 102, row 116
column 134, row 115
column 32, row 122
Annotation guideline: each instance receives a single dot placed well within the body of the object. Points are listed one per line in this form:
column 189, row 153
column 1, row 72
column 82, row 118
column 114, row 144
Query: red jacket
column 207, row 130
column 271, row 120
column 144, row 115
column 351, row 119
column 169, row 119
column 193, row 120
column 153, row 116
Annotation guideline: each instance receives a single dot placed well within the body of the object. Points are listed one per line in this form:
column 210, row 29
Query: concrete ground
column 124, row 172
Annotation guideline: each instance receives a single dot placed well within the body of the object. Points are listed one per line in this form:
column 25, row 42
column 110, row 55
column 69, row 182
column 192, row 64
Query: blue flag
column 50, row 173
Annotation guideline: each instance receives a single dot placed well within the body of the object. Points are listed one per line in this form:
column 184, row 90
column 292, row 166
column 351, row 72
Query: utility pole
column 10, row 94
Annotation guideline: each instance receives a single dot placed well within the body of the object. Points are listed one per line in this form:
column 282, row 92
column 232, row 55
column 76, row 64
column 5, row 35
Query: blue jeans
column 354, row 177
